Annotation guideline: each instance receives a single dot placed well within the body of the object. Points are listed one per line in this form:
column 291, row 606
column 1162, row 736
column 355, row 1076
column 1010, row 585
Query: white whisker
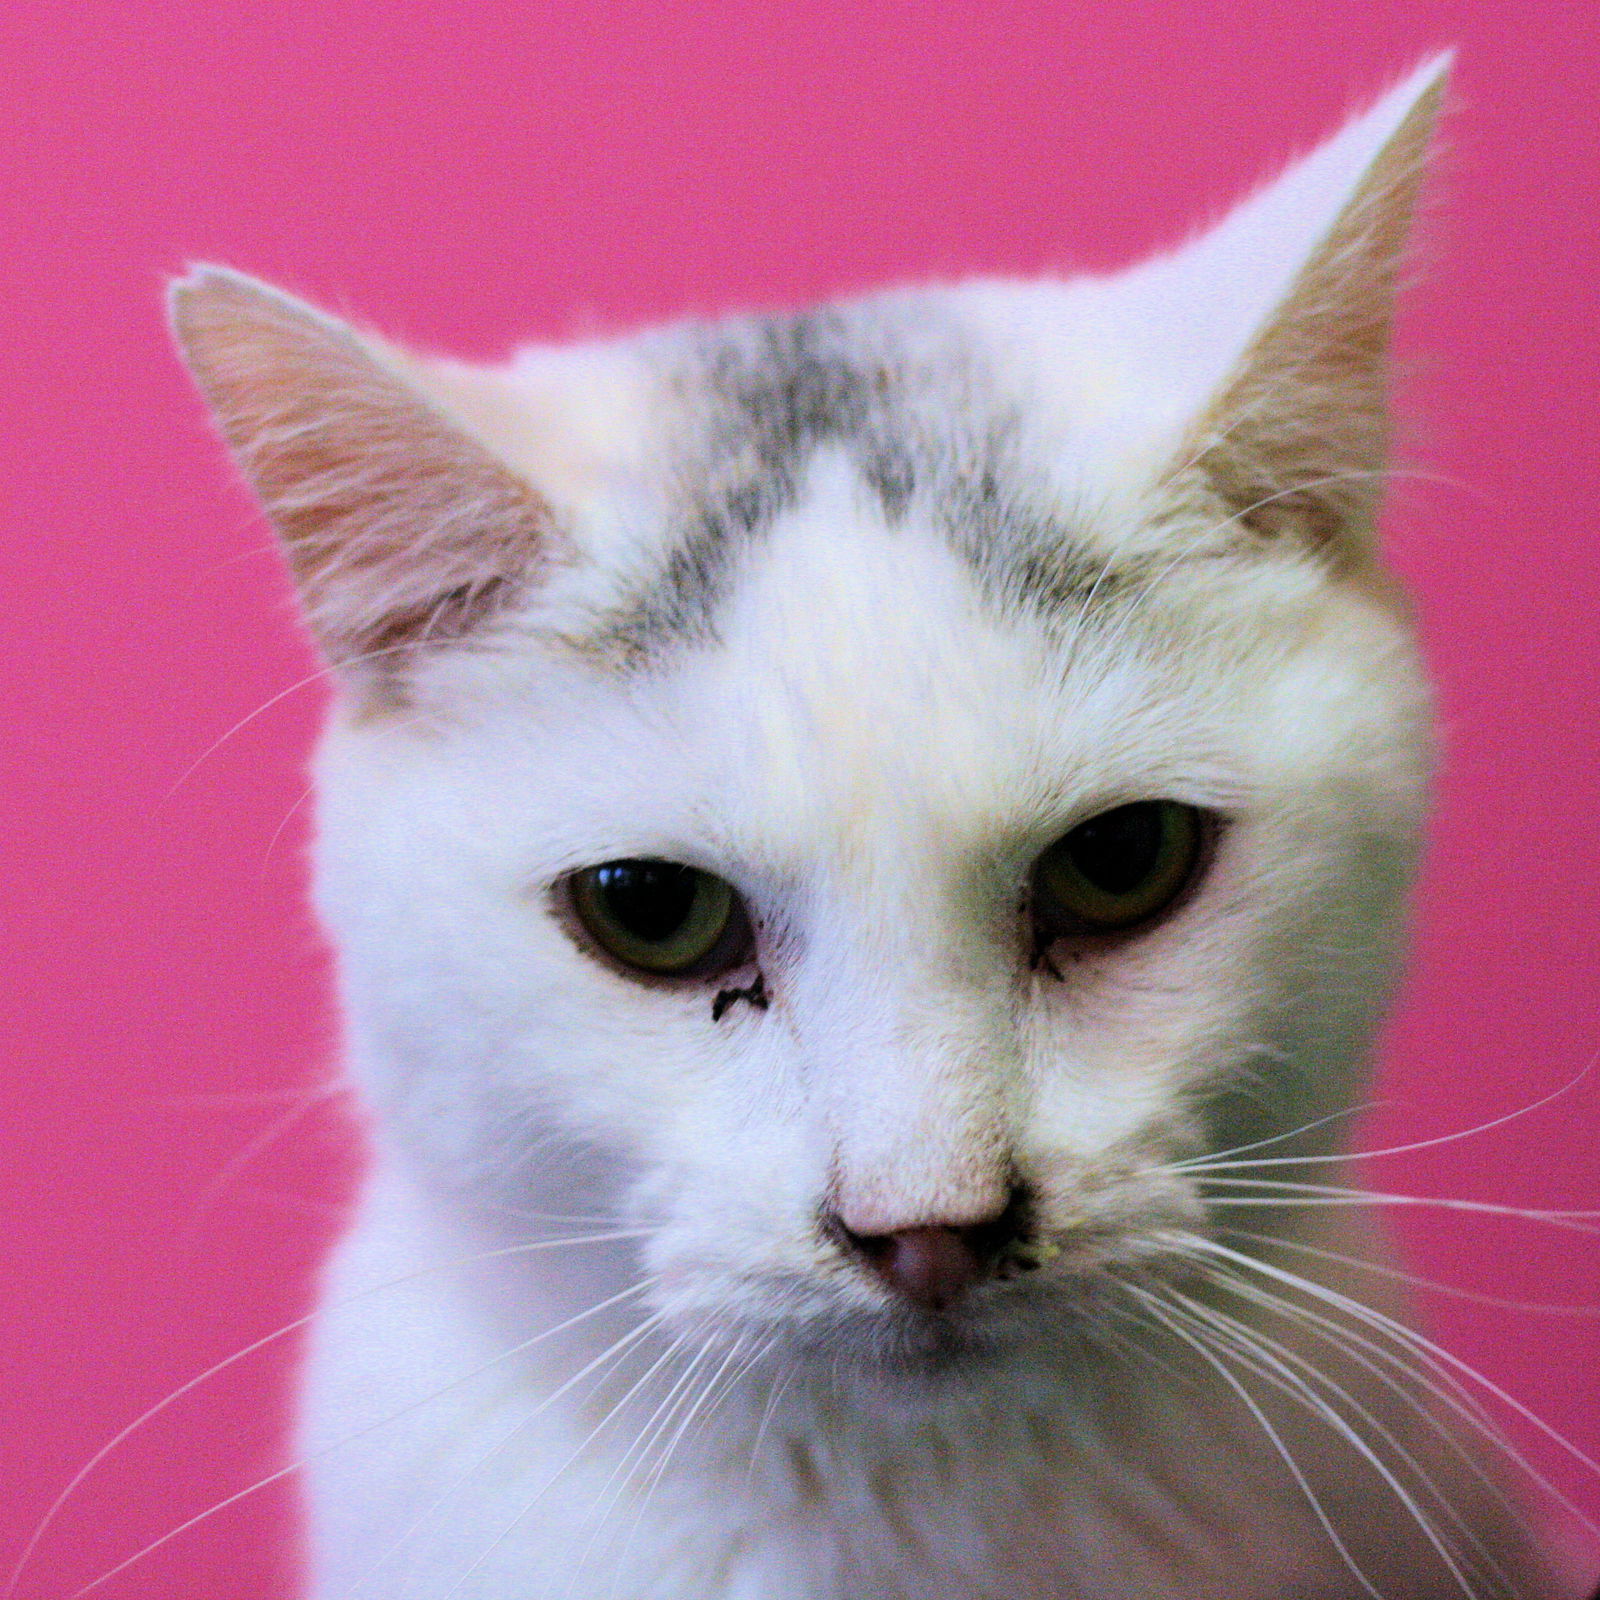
column 1298, row 1375
column 774, row 1398
column 217, row 1368
column 307, row 1102
column 621, row 1468
column 1222, row 1157
column 1408, row 1379
column 1435, row 1377
column 278, row 832
column 1286, row 1193
column 619, row 1347
column 550, row 1399
column 1412, row 1279
column 659, row 1471
column 1222, row 1160
column 1161, row 1315
column 360, row 1433
column 655, row 1427
column 1400, row 1331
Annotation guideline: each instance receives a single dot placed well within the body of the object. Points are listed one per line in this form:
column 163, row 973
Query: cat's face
column 861, row 614
column 875, row 755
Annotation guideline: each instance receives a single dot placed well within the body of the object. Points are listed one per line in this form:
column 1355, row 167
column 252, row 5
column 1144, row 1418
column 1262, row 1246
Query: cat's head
column 869, row 789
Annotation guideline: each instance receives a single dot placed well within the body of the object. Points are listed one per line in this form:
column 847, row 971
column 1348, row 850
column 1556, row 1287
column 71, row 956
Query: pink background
column 468, row 175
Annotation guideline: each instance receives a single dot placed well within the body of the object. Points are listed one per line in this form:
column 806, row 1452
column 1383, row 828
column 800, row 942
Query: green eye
column 661, row 917
column 1118, row 869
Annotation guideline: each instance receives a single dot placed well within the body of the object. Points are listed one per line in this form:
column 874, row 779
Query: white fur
column 797, row 760
column 873, row 754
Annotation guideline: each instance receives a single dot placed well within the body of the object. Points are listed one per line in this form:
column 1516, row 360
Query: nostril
column 933, row 1266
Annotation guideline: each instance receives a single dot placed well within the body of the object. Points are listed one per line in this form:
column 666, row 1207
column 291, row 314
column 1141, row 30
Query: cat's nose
column 933, row 1266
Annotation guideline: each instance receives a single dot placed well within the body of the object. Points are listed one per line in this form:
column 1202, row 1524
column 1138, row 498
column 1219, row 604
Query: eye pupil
column 650, row 899
column 659, row 917
column 1117, row 851
column 1117, row 870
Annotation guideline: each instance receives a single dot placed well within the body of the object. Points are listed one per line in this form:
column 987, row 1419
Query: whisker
column 637, row 1454
column 242, row 1158
column 1314, row 1194
column 325, row 671
column 304, row 1205
column 1412, row 1279
column 654, row 1431
column 622, row 1464
column 1219, row 1160
column 217, row 1368
column 1435, row 1380
column 1124, row 1343
column 571, row 1219
column 1427, row 1376
column 774, row 1398
column 278, row 832
column 1159, row 1313
column 544, row 1488
column 1432, row 1375
column 649, row 1436
column 672, row 1445
column 1297, row 1377
column 1113, row 640
column 1354, row 476
column 246, row 1097
column 238, row 727
column 1448, row 1389
column 1398, row 1330
column 618, row 1348
column 762, row 1350
column 361, row 1433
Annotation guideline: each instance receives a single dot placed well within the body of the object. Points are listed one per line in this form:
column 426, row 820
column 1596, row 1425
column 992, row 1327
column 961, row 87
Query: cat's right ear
column 403, row 531
column 1280, row 318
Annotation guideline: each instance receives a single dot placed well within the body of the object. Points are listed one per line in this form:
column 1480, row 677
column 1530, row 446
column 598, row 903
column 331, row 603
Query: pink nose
column 931, row 1267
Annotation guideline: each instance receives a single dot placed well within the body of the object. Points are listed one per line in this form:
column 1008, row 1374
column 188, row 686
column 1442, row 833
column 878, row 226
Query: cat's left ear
column 404, row 531
column 1295, row 293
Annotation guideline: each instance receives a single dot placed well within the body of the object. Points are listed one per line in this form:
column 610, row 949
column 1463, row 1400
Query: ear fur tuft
column 401, row 529
column 1295, row 440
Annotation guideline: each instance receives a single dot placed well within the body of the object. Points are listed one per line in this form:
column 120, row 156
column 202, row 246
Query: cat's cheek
column 746, row 1268
column 1128, row 1049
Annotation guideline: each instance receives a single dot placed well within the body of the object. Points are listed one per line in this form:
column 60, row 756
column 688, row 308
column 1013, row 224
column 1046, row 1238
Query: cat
column 866, row 848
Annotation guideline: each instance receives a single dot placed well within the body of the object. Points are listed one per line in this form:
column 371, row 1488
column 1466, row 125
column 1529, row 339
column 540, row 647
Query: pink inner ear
column 1295, row 439
column 401, row 529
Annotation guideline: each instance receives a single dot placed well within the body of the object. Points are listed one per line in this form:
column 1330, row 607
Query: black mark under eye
column 1118, row 870
column 753, row 994
column 660, row 917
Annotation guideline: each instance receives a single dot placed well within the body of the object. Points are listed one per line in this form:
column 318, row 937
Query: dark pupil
column 1118, row 851
column 650, row 899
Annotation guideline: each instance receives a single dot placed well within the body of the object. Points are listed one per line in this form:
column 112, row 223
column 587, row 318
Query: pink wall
column 472, row 174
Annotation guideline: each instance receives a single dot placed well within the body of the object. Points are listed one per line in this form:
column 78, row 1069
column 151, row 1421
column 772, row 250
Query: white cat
column 886, row 828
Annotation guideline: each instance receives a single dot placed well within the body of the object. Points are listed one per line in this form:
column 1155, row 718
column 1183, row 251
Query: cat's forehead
column 942, row 422
column 886, row 567
column 862, row 641
column 859, row 685
column 890, row 566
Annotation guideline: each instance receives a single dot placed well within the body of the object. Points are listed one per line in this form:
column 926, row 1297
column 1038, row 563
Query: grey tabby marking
column 913, row 407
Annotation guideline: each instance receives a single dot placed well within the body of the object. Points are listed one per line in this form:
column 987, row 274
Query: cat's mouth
column 1043, row 1300
column 1012, row 1327
column 1041, row 1284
